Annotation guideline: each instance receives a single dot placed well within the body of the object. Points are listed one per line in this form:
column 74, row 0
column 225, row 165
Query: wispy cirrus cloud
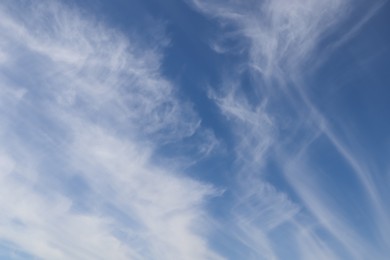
column 83, row 110
column 95, row 140
column 277, row 123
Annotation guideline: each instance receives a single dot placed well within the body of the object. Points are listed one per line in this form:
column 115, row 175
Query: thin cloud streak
column 86, row 117
column 281, row 40
column 92, row 108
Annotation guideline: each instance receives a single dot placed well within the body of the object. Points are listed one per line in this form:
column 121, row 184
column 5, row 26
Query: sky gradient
column 195, row 129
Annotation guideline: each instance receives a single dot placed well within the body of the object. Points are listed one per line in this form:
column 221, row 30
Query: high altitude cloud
column 95, row 140
column 278, row 124
column 83, row 108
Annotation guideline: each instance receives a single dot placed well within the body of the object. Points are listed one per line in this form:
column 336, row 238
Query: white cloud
column 317, row 201
column 310, row 245
column 44, row 226
column 83, row 100
column 281, row 34
column 279, row 43
column 80, row 100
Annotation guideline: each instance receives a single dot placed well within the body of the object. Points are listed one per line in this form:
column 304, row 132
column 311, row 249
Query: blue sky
column 194, row 129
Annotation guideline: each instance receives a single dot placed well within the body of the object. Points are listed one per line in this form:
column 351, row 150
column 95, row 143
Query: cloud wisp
column 96, row 141
column 280, row 45
column 83, row 110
